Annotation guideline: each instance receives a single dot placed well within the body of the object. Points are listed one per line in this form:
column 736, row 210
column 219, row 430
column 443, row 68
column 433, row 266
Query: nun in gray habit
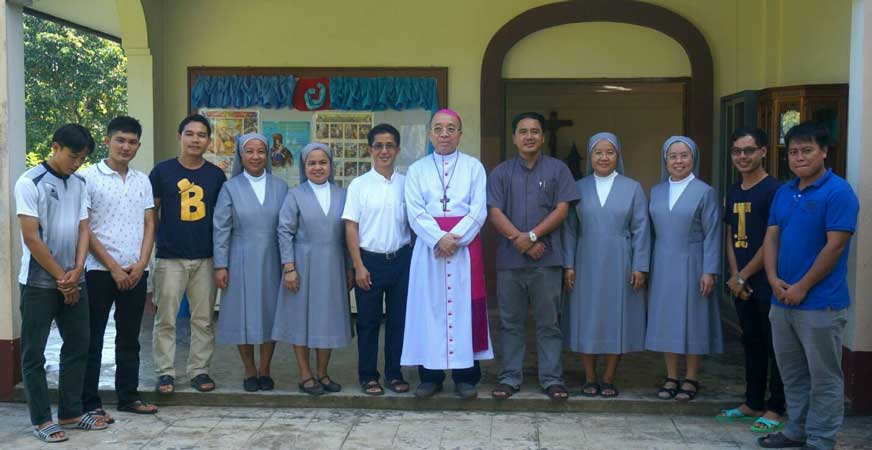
column 683, row 315
column 246, row 257
column 313, row 309
column 607, row 241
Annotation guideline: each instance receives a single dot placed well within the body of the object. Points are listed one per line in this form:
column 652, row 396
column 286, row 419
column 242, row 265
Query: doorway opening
column 642, row 112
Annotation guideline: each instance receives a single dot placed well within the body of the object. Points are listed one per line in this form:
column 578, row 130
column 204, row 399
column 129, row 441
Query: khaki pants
column 174, row 277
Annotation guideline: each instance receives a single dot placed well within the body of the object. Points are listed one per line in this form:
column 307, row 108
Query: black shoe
column 250, row 384
column 466, row 391
column 778, row 440
column 425, row 390
column 265, row 383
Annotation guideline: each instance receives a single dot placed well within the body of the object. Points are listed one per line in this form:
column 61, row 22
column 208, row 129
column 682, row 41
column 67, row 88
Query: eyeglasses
column 747, row 151
column 451, row 130
column 382, row 146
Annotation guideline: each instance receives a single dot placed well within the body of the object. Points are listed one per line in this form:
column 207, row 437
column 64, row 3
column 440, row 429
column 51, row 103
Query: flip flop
column 86, row 422
column 137, row 407
column 101, row 413
column 764, row 425
column 733, row 415
column 44, row 434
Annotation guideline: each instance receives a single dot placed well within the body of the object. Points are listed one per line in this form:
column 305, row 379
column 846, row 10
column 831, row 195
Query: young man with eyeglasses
column 377, row 234
column 528, row 199
column 746, row 215
column 805, row 253
column 446, row 316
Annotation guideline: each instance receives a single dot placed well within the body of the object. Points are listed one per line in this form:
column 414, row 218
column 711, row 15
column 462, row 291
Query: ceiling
column 100, row 15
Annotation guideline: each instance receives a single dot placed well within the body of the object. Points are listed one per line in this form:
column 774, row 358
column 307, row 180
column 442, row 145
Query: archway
column 700, row 90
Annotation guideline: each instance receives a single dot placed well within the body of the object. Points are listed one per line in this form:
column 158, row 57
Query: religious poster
column 227, row 124
column 287, row 139
column 345, row 132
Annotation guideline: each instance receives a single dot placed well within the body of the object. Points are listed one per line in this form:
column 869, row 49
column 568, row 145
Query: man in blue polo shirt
column 811, row 222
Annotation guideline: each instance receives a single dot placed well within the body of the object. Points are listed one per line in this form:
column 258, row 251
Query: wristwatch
column 533, row 237
column 739, row 280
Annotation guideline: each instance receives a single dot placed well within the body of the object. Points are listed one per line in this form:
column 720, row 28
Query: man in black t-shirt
column 746, row 217
column 185, row 192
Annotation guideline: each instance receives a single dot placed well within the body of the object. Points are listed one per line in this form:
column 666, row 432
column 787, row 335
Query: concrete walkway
column 639, row 376
column 186, row 427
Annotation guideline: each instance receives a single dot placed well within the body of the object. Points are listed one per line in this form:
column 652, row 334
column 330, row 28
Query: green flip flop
column 734, row 415
column 764, row 425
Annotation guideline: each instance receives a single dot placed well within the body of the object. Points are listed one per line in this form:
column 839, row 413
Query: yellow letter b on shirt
column 192, row 206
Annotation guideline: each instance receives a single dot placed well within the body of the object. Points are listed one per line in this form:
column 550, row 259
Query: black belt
column 387, row 256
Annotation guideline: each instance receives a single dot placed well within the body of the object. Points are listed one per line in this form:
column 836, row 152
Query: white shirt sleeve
column 352, row 202
column 85, row 203
column 148, row 199
column 26, row 198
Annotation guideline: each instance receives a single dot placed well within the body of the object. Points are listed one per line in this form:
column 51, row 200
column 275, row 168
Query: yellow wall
column 752, row 44
column 596, row 50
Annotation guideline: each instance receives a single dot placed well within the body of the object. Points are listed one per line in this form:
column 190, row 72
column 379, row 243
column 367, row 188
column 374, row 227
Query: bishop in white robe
column 446, row 313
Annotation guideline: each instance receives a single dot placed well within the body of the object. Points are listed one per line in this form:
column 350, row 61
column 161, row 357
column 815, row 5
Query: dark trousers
column 128, row 317
column 389, row 274
column 39, row 306
column 760, row 364
column 471, row 375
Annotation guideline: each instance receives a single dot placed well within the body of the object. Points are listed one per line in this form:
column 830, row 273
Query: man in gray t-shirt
column 52, row 209
column 528, row 198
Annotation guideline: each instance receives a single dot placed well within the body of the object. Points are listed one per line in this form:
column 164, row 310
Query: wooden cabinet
column 737, row 111
column 780, row 108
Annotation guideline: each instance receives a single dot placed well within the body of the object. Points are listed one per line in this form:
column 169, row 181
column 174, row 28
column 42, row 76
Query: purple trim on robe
column 479, row 289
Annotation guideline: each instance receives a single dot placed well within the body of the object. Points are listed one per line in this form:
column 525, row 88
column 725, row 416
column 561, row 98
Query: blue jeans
column 808, row 347
column 39, row 306
column 389, row 275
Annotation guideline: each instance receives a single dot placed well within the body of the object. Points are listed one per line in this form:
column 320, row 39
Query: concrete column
column 140, row 103
column 140, row 79
column 12, row 151
column 858, row 339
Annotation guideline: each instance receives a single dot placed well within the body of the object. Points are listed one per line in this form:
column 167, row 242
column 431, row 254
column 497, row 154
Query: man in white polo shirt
column 378, row 237
column 122, row 236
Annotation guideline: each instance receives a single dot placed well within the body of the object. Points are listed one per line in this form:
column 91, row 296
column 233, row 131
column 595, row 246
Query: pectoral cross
column 444, row 201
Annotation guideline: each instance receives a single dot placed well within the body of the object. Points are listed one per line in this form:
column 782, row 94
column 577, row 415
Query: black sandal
column 200, row 381
column 670, row 392
column 165, row 380
column 330, row 385
column 608, row 387
column 585, row 389
column 399, row 386
column 690, row 395
column 557, row 392
column 372, row 387
column 314, row 389
column 503, row 391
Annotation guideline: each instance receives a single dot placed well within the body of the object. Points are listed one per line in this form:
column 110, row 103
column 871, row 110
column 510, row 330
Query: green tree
column 70, row 76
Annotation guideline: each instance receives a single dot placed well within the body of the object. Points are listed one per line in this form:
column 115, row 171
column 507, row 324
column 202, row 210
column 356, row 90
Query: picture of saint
column 279, row 155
